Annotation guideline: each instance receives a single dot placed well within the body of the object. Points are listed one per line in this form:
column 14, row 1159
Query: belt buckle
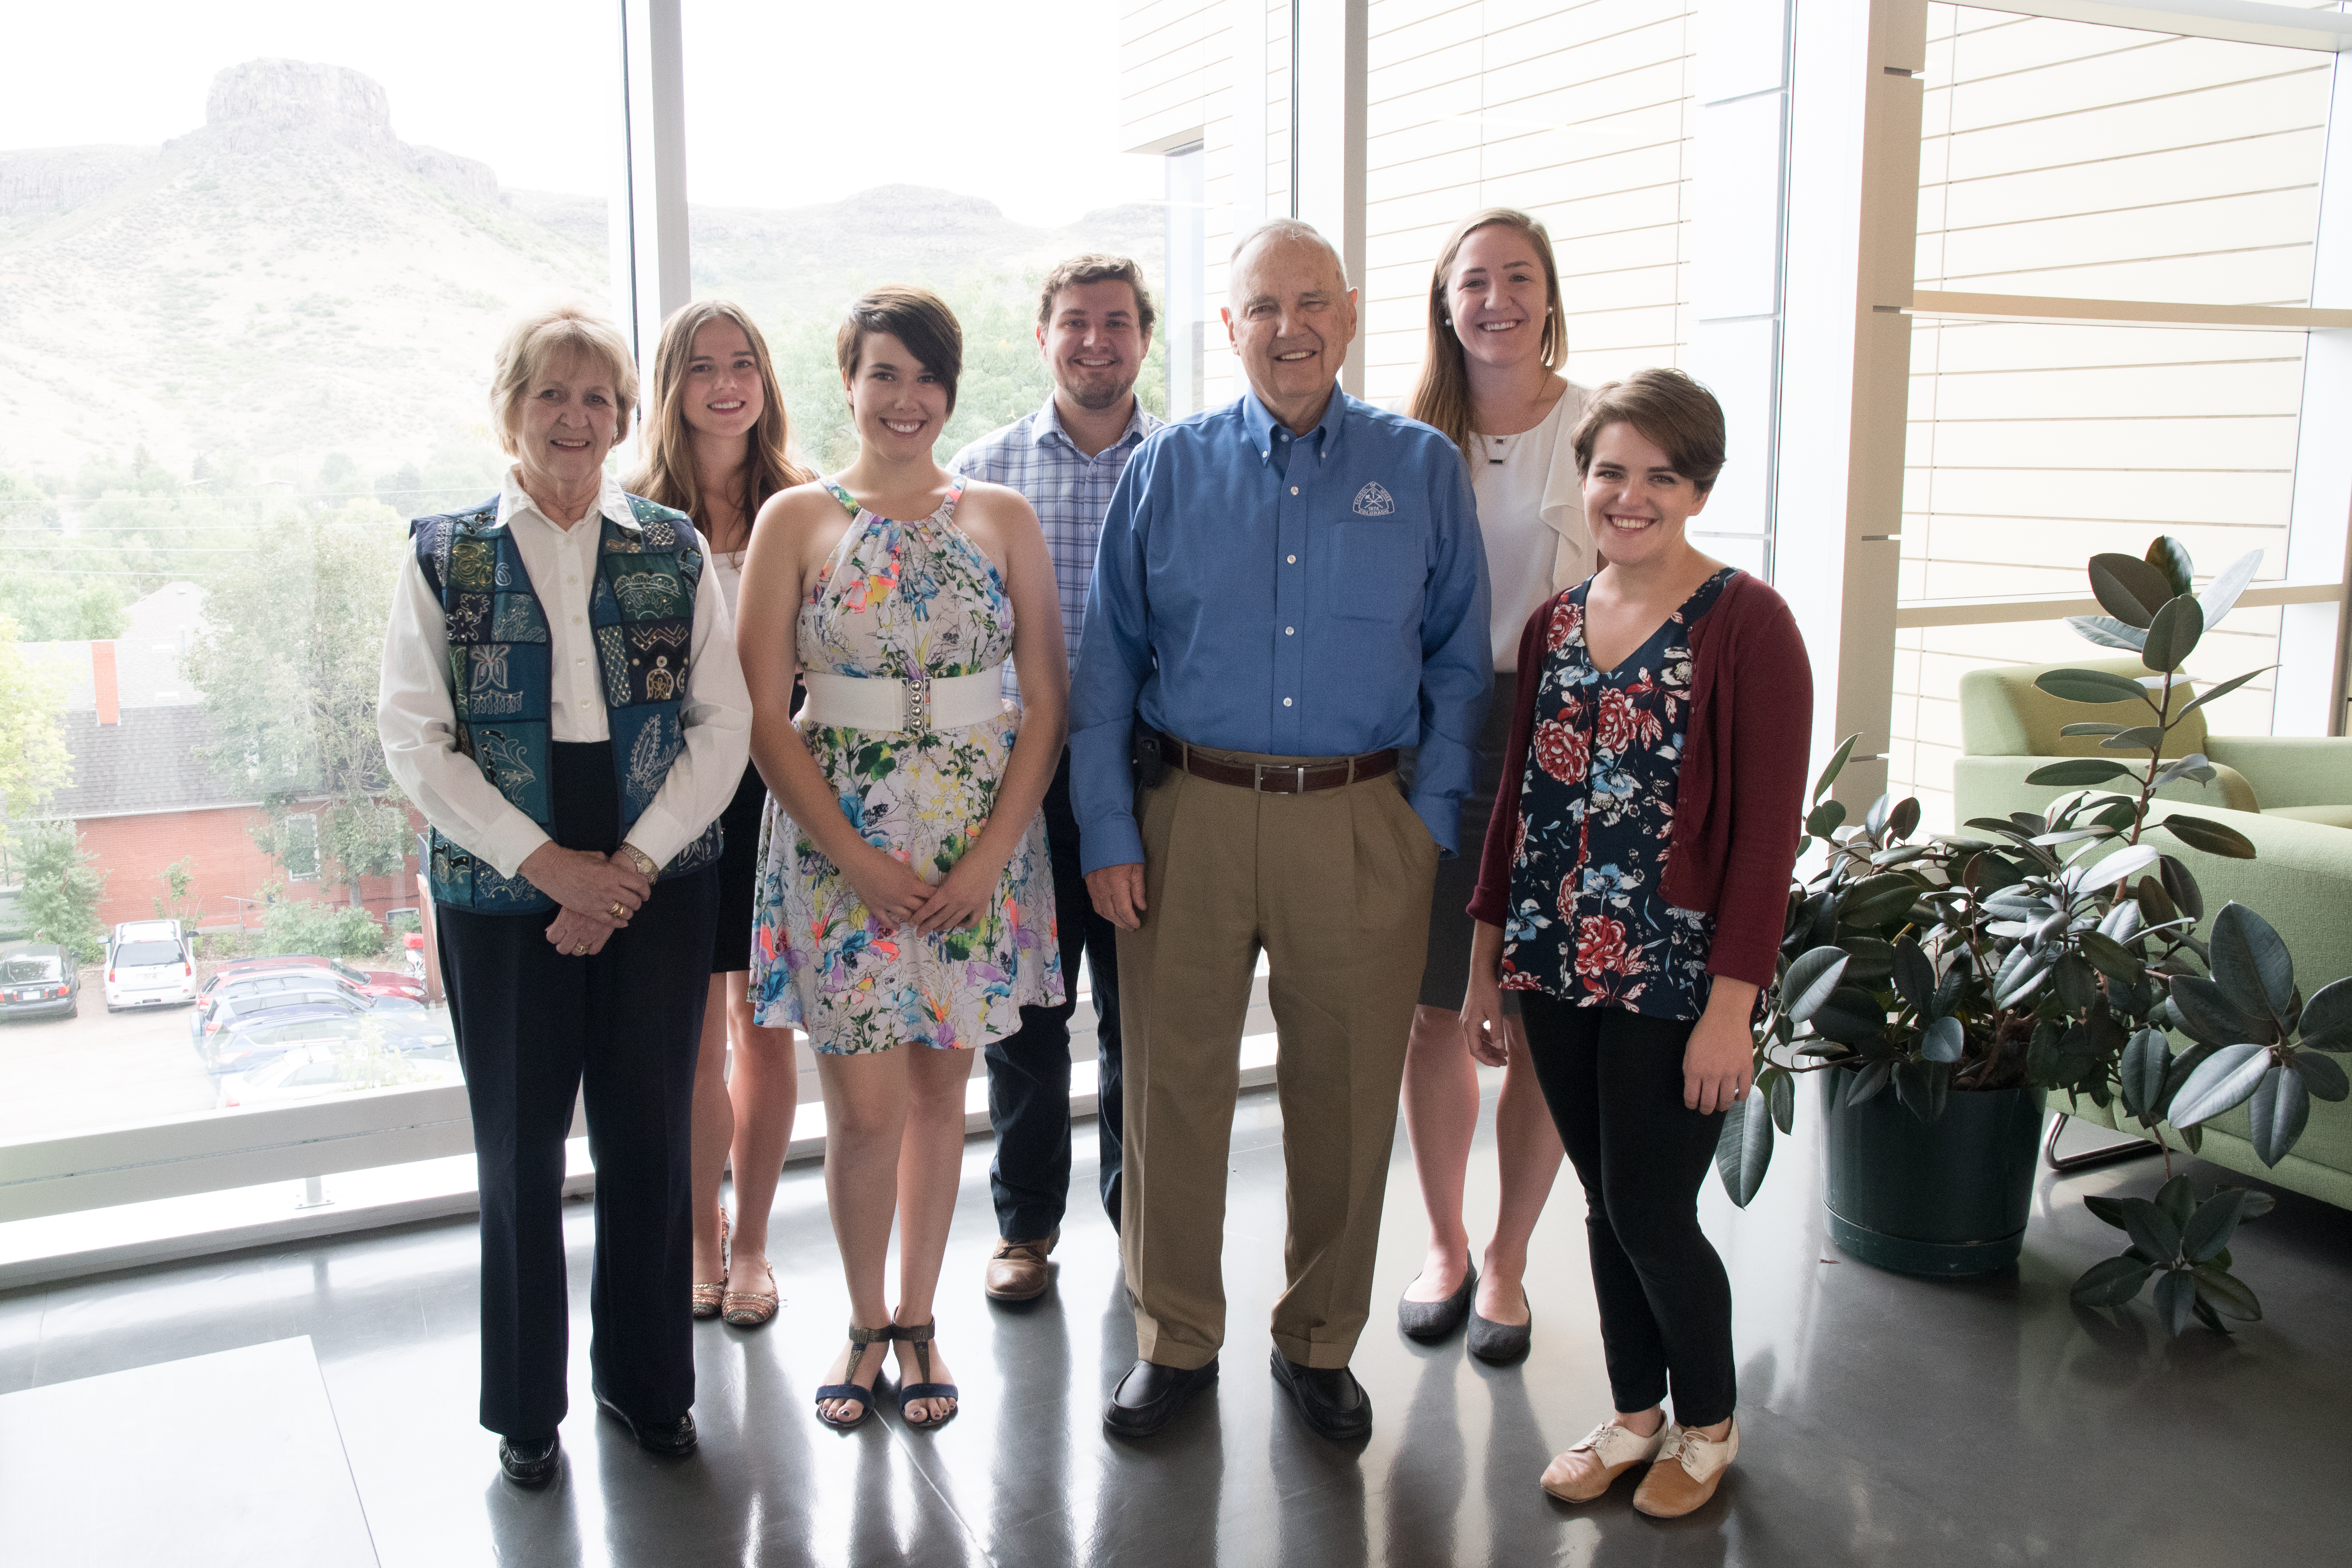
column 919, row 701
column 1259, row 770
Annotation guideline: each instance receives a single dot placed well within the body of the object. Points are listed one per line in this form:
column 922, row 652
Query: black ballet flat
column 1501, row 1343
column 1435, row 1319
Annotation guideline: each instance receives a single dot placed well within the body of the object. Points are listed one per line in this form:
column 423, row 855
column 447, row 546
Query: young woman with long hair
column 1490, row 380
column 716, row 447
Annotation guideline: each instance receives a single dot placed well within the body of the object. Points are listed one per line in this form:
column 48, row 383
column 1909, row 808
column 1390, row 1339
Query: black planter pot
column 1948, row 1199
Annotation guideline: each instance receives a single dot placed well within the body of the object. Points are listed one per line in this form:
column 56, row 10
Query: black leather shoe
column 1150, row 1396
column 672, row 1439
column 1435, row 1319
column 1330, row 1398
column 528, row 1463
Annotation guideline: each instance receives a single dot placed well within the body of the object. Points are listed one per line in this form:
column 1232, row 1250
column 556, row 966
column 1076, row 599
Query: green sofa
column 2290, row 795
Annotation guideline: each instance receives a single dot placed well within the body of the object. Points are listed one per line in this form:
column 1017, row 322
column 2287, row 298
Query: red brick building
column 141, row 794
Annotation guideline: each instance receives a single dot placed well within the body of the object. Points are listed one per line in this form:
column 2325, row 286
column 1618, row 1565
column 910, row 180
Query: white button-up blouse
column 418, row 721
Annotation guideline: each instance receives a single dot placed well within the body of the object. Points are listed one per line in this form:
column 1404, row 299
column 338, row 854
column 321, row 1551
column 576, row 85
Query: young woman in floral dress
column 1633, row 891
column 906, row 906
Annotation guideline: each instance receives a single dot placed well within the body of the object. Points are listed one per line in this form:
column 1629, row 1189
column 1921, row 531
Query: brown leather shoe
column 1017, row 1270
column 1687, row 1471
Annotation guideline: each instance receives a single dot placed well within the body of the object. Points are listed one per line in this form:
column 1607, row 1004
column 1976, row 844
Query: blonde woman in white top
column 1490, row 380
column 716, row 447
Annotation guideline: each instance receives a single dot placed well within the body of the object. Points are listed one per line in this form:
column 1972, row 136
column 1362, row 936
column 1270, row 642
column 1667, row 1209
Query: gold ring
column 620, row 911
column 579, row 949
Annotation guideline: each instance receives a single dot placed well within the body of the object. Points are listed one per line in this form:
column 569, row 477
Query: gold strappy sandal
column 710, row 1300
column 751, row 1308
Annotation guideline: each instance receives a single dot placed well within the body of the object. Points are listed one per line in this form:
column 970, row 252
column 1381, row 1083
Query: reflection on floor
column 1885, row 1420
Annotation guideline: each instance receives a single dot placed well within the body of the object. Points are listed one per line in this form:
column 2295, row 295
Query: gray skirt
column 1445, row 974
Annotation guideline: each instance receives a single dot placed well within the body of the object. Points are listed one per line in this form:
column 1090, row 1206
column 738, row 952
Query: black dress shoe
column 1330, row 1398
column 529, row 1462
column 1435, row 1319
column 672, row 1439
column 1150, row 1396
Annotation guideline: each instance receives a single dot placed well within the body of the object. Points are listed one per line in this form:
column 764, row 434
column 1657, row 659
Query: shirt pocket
column 1378, row 573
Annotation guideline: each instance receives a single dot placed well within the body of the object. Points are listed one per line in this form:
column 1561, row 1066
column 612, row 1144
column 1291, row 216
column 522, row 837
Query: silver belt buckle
column 919, row 701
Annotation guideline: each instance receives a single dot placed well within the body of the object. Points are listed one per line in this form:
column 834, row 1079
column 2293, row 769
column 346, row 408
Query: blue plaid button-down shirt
column 1070, row 491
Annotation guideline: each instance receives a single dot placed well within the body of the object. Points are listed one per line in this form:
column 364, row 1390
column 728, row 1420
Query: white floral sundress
column 894, row 598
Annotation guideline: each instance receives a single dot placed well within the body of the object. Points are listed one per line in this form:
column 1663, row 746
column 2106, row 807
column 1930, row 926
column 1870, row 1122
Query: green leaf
column 1810, row 980
column 1944, row 1040
column 2089, row 728
column 1915, row 975
column 1782, row 1098
column 2113, row 959
column 1868, row 1080
column 2142, row 1071
column 2187, row 897
column 2155, row 1232
column 1921, row 1087
column 1875, row 900
column 2172, row 635
column 2210, row 836
column 1903, row 820
column 2111, row 1282
column 2169, row 556
column 2089, row 686
column 1850, row 1016
column 2329, row 1010
column 2209, row 1230
column 2130, row 590
column 2108, row 1209
column 1835, row 765
column 2225, row 1081
column 2177, row 1199
column 2155, row 903
column 2107, row 632
column 2020, row 976
column 2218, row 692
column 2278, row 1108
column 1825, row 819
column 2078, row 773
column 2206, row 1013
column 2077, row 983
column 2323, row 1076
column 2250, row 962
column 2138, row 738
column 2227, row 1294
column 2128, row 861
column 1743, row 1150
column 2222, row 592
column 2176, row 1295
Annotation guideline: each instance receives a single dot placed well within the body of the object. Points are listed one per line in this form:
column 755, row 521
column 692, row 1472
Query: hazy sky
column 788, row 102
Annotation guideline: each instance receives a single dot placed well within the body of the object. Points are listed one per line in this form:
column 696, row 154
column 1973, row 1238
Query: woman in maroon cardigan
column 1632, row 890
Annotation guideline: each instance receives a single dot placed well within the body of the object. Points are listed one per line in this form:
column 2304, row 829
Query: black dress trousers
column 534, row 1028
column 1029, row 1070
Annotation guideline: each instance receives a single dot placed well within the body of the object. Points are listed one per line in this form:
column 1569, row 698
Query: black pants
column 1614, row 1082
column 535, row 1028
column 1029, row 1070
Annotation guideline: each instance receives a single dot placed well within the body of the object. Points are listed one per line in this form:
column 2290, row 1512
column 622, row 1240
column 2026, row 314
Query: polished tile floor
column 1887, row 1420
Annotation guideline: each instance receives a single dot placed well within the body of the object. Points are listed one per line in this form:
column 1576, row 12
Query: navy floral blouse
column 1596, row 814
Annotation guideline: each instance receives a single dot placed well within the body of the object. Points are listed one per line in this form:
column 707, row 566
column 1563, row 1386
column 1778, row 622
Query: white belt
column 894, row 707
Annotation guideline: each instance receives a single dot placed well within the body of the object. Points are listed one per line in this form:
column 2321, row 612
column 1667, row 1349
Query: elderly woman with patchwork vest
column 560, row 699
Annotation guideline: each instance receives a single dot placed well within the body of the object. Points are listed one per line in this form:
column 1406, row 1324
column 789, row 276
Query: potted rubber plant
column 1941, row 989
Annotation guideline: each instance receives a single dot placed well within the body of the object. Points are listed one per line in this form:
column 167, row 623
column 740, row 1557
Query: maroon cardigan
column 1742, row 785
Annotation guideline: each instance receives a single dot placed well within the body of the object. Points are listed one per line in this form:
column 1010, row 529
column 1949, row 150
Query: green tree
column 287, row 666
column 62, row 886
column 33, row 759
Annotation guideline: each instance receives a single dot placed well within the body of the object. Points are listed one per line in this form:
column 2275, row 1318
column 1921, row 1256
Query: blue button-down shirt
column 1322, row 594
column 1070, row 491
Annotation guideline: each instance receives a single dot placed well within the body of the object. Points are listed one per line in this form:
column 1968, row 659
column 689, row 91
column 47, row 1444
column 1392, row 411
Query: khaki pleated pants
column 1334, row 886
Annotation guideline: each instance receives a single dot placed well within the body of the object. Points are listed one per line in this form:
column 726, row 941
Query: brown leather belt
column 1282, row 778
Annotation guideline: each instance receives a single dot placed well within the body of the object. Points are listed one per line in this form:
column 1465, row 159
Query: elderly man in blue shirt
column 1290, row 591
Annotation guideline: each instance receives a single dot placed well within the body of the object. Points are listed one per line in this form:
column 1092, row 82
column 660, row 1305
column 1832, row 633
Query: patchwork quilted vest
column 641, row 612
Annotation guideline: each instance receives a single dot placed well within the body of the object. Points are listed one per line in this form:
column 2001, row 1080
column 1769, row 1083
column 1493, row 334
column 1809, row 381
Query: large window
column 249, row 298
column 2064, row 162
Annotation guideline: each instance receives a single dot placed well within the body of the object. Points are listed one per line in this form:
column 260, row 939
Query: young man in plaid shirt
column 1094, row 326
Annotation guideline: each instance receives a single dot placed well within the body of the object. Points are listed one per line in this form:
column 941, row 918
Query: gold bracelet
column 641, row 860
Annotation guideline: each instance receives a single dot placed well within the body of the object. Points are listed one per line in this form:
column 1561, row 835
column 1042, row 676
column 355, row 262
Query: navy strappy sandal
column 919, row 1335
column 860, row 1338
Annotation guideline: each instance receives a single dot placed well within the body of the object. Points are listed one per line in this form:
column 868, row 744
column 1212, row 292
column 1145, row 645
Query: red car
column 367, row 982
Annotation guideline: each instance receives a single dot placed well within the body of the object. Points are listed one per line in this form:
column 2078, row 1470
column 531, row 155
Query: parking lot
column 101, row 1069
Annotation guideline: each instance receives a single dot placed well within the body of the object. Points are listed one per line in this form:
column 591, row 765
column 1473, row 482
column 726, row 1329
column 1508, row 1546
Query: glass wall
column 248, row 295
column 972, row 171
column 2062, row 159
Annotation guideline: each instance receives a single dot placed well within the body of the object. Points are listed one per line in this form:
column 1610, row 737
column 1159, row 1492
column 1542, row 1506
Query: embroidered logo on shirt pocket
column 1373, row 500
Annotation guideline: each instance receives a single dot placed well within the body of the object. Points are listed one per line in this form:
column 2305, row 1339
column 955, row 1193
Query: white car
column 149, row 964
